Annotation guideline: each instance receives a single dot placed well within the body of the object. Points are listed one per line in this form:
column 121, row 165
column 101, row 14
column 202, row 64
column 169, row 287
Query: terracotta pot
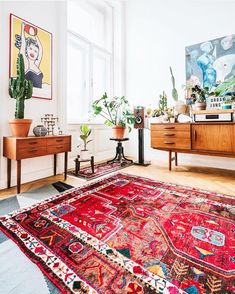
column 118, row 132
column 20, row 127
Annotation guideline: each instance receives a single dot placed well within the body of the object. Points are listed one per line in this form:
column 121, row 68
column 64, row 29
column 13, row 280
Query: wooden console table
column 30, row 147
column 215, row 139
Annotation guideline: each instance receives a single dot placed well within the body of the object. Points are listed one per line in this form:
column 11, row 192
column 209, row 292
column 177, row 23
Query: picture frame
column 35, row 44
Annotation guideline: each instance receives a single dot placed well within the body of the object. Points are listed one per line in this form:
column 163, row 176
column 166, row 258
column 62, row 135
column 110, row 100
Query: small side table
column 78, row 164
column 119, row 157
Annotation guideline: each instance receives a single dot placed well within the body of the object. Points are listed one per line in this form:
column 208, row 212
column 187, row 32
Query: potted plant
column 85, row 132
column 199, row 95
column 170, row 114
column 116, row 113
column 156, row 116
column 20, row 89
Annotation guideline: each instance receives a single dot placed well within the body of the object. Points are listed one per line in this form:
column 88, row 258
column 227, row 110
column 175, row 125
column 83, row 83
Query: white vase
column 85, row 154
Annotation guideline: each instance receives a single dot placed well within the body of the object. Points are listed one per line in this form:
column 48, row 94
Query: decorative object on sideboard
column 52, row 124
column 180, row 107
column 213, row 115
column 35, row 44
column 214, row 102
column 20, row 89
column 40, row 131
column 182, row 118
column 85, row 132
column 116, row 112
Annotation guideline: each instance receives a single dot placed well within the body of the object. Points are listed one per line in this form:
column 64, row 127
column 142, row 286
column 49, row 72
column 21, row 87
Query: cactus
column 20, row 88
column 174, row 92
column 162, row 105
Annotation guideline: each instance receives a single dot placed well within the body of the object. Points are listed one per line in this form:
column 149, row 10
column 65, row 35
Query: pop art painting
column 35, row 44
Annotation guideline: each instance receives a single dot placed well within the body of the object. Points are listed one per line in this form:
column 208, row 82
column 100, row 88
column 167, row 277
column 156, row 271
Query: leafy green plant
column 85, row 132
column 20, row 88
column 227, row 86
column 170, row 112
column 174, row 92
column 115, row 111
column 156, row 112
column 199, row 93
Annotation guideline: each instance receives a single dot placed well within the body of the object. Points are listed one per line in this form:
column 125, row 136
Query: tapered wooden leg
column 55, row 164
column 176, row 159
column 170, row 158
column 65, row 164
column 18, row 175
column 8, row 173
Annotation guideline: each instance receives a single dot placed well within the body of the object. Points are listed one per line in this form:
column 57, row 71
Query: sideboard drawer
column 31, row 152
column 29, row 143
column 170, row 127
column 58, row 148
column 170, row 143
column 170, row 134
column 58, row 141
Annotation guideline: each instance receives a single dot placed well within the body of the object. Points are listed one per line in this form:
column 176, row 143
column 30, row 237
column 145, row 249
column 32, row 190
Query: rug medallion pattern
column 126, row 234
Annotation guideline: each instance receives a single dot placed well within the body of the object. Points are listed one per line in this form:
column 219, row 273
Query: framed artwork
column 212, row 62
column 35, row 44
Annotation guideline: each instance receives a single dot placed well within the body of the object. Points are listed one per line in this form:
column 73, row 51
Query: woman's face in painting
column 32, row 52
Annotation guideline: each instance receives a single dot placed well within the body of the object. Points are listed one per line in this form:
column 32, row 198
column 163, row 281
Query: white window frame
column 117, row 78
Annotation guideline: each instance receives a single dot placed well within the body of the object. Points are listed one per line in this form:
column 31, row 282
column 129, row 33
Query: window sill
column 85, row 122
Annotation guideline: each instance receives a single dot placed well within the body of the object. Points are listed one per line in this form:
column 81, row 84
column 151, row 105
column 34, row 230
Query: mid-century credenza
column 216, row 139
column 16, row 148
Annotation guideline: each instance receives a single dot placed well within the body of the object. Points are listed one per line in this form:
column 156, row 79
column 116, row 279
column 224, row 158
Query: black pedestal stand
column 141, row 160
column 119, row 157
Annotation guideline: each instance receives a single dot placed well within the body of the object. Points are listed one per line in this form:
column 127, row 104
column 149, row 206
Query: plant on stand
column 20, row 89
column 85, row 132
column 116, row 113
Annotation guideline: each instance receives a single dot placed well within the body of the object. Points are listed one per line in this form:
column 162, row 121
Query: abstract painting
column 212, row 62
column 35, row 44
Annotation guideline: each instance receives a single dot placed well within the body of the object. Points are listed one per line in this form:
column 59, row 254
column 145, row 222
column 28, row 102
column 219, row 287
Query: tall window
column 90, row 56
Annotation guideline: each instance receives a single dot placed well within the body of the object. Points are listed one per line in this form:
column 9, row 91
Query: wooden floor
column 216, row 180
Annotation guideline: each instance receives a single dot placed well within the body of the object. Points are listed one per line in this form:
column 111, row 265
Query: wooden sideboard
column 16, row 148
column 216, row 139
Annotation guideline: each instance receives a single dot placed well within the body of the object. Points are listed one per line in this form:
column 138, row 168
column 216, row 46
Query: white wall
column 51, row 16
column 157, row 32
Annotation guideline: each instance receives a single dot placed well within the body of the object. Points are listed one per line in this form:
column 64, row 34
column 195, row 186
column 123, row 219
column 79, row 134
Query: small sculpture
column 50, row 122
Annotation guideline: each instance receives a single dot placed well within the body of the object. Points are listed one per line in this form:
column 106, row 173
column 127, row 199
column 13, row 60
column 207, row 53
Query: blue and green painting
column 212, row 62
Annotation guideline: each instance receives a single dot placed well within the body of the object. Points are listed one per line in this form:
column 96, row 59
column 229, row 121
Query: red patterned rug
column 127, row 234
column 101, row 169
